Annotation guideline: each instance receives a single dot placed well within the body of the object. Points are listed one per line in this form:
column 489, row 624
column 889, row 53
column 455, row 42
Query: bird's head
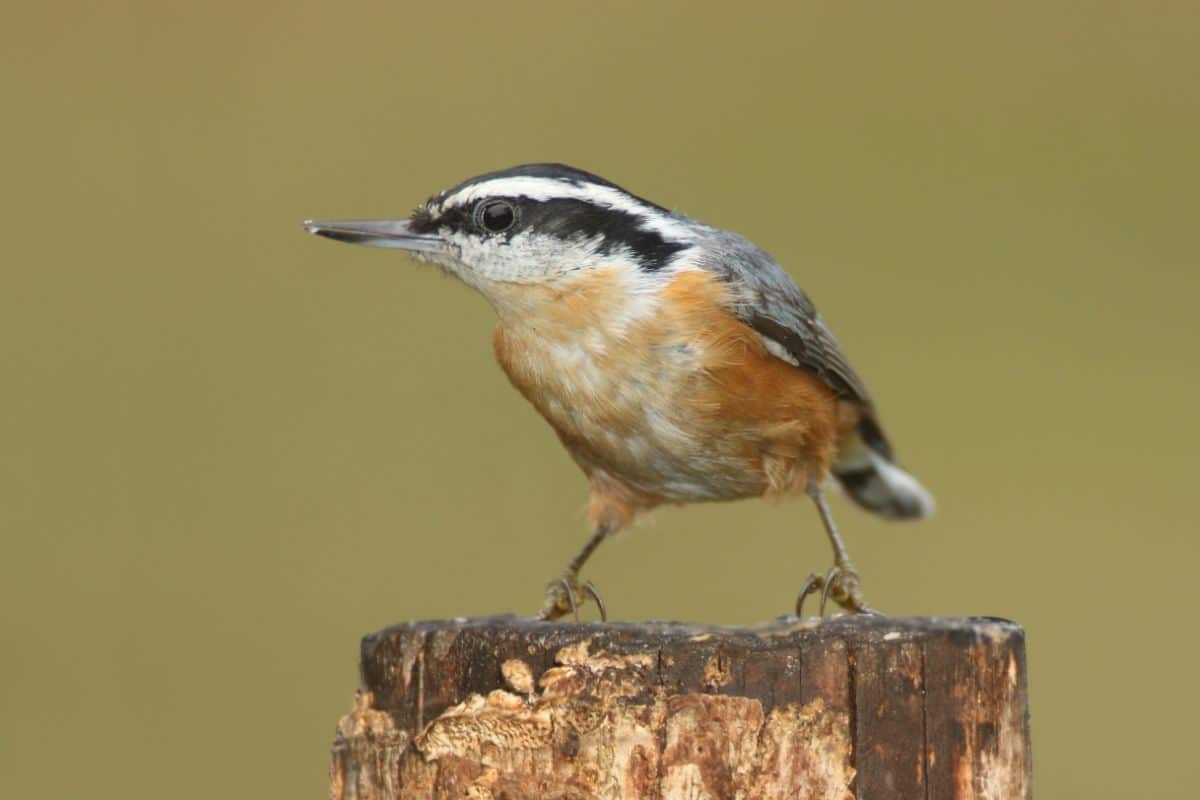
column 535, row 224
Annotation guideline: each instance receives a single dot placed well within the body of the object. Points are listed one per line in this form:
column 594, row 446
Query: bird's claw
column 841, row 584
column 813, row 583
column 562, row 598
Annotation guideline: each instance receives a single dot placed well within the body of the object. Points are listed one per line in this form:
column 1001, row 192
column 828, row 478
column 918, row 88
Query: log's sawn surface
column 508, row 708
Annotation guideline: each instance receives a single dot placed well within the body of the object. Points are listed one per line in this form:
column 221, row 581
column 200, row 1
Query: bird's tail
column 865, row 469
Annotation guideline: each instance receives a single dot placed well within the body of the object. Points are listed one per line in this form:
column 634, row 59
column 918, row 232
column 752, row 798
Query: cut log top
column 865, row 707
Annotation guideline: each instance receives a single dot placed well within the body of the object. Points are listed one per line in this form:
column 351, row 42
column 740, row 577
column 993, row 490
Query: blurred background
column 230, row 449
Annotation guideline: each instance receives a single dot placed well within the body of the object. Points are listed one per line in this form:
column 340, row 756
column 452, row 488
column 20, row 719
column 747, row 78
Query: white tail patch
column 880, row 486
column 905, row 487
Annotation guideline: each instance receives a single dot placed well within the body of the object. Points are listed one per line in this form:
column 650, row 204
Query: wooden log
column 512, row 709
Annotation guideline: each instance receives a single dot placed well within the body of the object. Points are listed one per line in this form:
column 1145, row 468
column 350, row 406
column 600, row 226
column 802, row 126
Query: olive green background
column 228, row 449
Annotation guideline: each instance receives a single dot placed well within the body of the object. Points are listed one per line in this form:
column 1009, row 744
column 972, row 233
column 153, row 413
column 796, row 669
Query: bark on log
column 512, row 709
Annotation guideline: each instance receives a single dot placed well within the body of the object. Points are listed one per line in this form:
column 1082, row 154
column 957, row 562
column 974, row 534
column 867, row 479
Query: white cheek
column 530, row 258
column 522, row 259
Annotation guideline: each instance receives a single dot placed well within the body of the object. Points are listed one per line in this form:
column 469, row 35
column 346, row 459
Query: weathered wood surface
column 512, row 709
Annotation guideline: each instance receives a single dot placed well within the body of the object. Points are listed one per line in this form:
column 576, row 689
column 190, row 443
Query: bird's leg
column 562, row 593
column 841, row 583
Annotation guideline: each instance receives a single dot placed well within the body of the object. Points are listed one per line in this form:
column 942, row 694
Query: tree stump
column 512, row 709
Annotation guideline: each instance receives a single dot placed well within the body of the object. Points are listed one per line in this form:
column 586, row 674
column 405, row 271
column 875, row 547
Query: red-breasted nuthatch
column 677, row 362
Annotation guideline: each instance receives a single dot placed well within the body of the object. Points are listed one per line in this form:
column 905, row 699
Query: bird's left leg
column 612, row 505
column 841, row 583
column 562, row 595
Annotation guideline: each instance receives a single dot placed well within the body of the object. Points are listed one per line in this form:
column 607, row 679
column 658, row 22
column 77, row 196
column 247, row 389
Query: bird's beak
column 394, row 234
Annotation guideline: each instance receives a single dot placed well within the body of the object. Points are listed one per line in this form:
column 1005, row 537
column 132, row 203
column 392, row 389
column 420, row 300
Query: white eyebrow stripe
column 551, row 189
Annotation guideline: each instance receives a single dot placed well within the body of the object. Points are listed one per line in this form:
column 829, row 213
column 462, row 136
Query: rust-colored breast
column 660, row 388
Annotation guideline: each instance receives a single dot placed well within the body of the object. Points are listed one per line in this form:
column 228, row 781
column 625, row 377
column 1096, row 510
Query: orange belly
column 669, row 397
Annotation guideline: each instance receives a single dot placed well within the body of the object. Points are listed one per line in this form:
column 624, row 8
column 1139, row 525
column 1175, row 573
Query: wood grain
column 848, row 707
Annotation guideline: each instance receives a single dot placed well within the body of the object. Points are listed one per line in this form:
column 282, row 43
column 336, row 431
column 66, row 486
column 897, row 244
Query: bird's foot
column 841, row 584
column 563, row 597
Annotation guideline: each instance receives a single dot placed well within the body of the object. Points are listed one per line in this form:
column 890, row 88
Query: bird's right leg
column 563, row 594
column 841, row 583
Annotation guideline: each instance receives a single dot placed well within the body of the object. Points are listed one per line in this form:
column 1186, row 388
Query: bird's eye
column 495, row 215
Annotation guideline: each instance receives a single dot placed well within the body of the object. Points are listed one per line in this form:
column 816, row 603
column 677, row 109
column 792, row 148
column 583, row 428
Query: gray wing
column 767, row 300
column 771, row 303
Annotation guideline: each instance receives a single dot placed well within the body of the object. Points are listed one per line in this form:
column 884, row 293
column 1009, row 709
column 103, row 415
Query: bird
column 677, row 362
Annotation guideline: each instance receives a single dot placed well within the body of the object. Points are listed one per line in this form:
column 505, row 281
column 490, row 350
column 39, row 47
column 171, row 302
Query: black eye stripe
column 610, row 229
column 613, row 229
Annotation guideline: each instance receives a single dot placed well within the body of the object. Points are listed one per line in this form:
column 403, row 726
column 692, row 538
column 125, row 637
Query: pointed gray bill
column 390, row 233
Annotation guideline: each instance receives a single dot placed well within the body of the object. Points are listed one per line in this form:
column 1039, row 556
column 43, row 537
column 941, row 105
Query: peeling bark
column 509, row 709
